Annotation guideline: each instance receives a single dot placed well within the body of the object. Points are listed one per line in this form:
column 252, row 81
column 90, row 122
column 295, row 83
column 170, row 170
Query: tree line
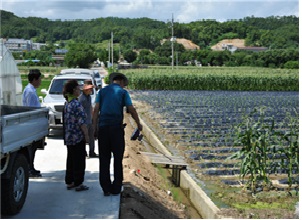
column 279, row 34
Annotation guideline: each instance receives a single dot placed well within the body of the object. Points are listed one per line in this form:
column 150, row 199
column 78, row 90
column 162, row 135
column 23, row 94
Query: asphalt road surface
column 48, row 198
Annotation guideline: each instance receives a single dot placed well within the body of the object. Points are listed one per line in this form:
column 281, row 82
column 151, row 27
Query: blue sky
column 183, row 11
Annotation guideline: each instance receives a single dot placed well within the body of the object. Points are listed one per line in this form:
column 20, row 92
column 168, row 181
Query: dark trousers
column 75, row 164
column 32, row 154
column 91, row 138
column 111, row 140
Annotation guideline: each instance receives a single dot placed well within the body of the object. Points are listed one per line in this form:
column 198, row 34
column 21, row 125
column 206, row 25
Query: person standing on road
column 108, row 116
column 31, row 99
column 85, row 100
column 75, row 136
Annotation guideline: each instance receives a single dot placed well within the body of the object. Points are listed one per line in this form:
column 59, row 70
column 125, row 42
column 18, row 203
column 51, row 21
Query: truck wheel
column 14, row 189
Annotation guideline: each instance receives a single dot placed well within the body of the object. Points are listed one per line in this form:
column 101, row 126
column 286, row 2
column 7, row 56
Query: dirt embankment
column 145, row 194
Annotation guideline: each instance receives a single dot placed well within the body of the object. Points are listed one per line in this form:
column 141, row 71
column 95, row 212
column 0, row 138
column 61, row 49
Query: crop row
column 239, row 79
column 201, row 123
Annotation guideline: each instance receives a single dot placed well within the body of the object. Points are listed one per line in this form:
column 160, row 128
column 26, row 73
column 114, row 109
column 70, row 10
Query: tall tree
column 80, row 55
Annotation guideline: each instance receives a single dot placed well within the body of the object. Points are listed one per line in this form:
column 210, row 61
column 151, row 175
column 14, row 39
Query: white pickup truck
column 20, row 128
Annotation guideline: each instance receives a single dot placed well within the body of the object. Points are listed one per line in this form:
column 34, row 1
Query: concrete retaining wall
column 203, row 204
column 200, row 200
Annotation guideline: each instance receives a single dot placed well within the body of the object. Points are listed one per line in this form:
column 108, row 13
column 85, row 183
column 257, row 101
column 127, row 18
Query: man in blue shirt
column 108, row 117
column 30, row 98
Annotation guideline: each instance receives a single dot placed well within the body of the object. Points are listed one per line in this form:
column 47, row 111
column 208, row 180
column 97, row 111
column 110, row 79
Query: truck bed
column 20, row 126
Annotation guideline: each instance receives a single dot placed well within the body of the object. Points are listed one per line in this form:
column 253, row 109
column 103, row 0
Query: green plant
column 224, row 78
column 110, row 70
column 291, row 65
column 254, row 137
column 259, row 138
column 290, row 160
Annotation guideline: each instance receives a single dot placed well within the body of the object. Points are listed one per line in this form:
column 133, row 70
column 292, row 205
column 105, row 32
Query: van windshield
column 58, row 84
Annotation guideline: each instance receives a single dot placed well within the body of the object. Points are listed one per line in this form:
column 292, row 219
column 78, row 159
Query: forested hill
column 145, row 33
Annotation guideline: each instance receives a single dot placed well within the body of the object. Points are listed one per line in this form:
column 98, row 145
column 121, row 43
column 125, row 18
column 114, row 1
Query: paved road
column 48, row 197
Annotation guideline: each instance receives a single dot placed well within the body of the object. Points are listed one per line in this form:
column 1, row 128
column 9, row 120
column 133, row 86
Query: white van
column 54, row 99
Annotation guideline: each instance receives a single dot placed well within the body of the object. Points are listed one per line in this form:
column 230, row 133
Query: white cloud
column 184, row 11
column 187, row 11
column 137, row 8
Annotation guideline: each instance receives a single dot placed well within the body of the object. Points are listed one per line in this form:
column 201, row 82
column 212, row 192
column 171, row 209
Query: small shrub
column 291, row 65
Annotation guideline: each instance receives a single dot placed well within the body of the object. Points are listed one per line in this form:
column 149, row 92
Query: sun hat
column 88, row 82
column 87, row 86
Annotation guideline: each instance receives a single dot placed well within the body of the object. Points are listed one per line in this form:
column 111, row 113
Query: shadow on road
column 48, row 198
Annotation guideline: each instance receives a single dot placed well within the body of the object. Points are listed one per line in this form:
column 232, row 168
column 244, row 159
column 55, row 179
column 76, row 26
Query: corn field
column 213, row 78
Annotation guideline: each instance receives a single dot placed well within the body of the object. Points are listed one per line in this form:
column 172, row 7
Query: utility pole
column 112, row 48
column 176, row 60
column 109, row 51
column 172, row 45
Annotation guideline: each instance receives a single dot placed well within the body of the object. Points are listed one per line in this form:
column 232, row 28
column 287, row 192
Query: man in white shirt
column 30, row 98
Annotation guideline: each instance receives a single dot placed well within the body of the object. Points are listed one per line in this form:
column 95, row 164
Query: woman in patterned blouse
column 75, row 137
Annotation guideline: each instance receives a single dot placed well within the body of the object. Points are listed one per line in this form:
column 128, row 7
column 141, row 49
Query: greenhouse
column 10, row 80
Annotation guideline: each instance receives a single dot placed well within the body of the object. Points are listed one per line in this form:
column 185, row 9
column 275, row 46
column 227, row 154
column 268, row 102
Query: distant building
column 58, row 59
column 21, row 45
column 254, row 49
column 61, row 51
column 37, row 46
column 18, row 45
column 229, row 47
column 235, row 44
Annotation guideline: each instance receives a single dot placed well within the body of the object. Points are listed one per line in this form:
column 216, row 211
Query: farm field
column 199, row 125
column 213, row 78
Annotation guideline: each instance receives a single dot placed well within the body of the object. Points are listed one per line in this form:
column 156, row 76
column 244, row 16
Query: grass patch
column 263, row 205
column 168, row 185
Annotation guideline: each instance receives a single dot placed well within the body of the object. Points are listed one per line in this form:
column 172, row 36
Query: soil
column 146, row 192
column 188, row 44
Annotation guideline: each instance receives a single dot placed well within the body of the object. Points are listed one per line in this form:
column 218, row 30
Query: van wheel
column 14, row 189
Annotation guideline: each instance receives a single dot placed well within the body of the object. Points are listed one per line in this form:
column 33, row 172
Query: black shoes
column 114, row 192
column 81, row 188
column 35, row 173
column 93, row 155
column 106, row 194
column 109, row 193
